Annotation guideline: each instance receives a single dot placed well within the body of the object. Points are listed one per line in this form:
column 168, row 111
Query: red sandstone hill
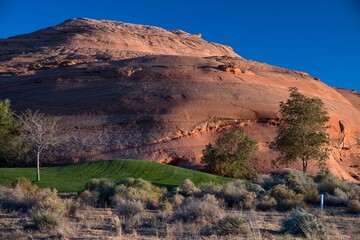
column 135, row 91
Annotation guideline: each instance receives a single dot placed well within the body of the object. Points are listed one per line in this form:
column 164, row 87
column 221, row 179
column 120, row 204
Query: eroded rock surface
column 133, row 91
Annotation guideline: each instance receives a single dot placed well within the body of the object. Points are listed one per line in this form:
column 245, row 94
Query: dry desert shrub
column 139, row 190
column 176, row 200
column 236, row 195
column 89, row 198
column 192, row 209
column 354, row 206
column 303, row 184
column 15, row 199
column 354, row 191
column 187, row 188
column 25, row 184
column 233, row 224
column 266, row 203
column 256, row 188
column 329, row 182
column 104, row 187
column 338, row 199
column 129, row 208
column 267, row 182
column 286, row 198
column 209, row 188
column 299, row 181
column 305, row 224
column 18, row 195
column 49, row 210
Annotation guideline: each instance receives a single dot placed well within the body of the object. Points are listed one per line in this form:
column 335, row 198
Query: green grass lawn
column 72, row 178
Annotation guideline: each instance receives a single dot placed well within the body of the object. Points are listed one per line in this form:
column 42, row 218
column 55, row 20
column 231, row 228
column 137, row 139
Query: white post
column 322, row 201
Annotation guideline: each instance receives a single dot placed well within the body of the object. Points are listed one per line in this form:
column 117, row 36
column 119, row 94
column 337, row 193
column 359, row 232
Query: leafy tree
column 302, row 130
column 40, row 131
column 12, row 148
column 231, row 155
column 7, row 121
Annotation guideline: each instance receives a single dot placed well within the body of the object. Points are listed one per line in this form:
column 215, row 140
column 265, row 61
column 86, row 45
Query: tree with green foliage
column 40, row 132
column 231, row 156
column 302, row 130
column 7, row 121
column 12, row 148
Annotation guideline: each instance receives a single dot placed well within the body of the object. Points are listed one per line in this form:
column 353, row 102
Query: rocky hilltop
column 135, row 91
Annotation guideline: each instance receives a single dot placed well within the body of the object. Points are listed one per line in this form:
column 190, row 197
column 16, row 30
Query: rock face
column 134, row 91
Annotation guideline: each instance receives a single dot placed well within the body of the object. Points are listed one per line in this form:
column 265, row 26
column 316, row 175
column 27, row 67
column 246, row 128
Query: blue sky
column 321, row 37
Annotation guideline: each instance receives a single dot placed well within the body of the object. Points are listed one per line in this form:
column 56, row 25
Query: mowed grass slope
column 72, row 178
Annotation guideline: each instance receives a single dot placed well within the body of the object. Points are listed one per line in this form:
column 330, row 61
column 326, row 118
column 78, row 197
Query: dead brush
column 233, row 224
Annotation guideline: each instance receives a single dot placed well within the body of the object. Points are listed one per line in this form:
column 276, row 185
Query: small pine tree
column 231, row 155
column 12, row 147
column 302, row 130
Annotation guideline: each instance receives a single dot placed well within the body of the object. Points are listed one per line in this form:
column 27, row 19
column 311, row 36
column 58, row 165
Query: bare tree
column 40, row 131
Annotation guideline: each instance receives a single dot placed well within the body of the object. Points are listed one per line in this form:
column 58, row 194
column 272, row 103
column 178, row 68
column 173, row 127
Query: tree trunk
column 38, row 166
